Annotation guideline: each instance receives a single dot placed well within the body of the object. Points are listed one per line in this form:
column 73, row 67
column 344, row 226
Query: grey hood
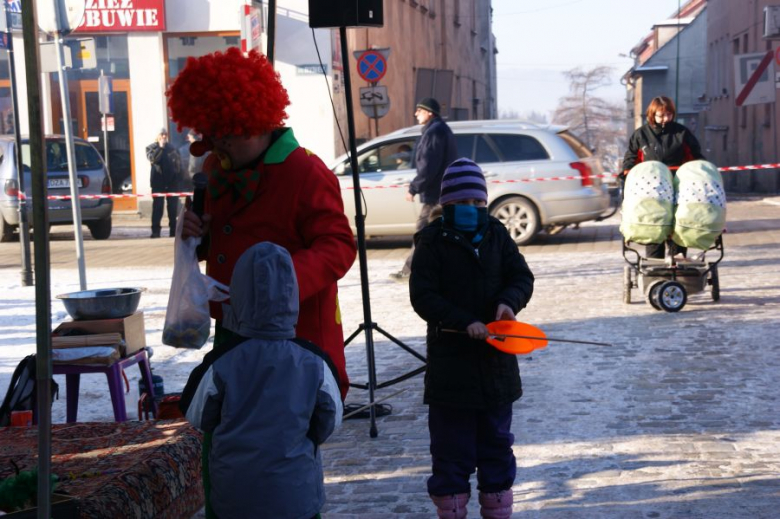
column 263, row 294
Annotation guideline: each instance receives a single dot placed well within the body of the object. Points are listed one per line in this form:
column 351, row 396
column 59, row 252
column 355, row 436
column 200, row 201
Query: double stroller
column 686, row 210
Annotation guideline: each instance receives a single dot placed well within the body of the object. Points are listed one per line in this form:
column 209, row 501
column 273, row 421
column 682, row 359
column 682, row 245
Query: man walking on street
column 435, row 150
column 164, row 176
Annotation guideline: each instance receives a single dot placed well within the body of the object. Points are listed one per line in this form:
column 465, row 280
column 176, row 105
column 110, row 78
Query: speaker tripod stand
column 368, row 326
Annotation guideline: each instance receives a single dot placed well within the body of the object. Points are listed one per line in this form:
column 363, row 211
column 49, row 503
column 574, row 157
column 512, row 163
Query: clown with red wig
column 262, row 186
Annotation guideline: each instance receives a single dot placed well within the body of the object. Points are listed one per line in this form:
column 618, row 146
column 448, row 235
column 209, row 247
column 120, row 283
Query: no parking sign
column 371, row 66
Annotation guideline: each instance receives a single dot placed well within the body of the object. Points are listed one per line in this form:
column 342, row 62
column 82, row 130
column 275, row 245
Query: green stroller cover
column 700, row 216
column 648, row 200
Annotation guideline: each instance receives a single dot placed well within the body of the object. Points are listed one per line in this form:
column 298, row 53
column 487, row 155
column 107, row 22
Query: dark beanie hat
column 431, row 105
column 463, row 180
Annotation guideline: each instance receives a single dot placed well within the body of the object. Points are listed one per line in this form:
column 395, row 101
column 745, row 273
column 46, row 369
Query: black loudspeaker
column 345, row 13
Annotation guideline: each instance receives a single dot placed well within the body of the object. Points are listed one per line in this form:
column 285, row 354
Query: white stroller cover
column 648, row 200
column 700, row 216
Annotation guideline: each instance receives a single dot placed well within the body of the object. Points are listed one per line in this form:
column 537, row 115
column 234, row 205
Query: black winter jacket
column 435, row 150
column 453, row 285
column 673, row 145
column 165, row 174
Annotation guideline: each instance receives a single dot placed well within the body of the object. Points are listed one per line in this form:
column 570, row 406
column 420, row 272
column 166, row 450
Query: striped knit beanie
column 463, row 180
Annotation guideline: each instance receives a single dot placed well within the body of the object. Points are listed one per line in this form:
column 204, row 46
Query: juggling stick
column 519, row 338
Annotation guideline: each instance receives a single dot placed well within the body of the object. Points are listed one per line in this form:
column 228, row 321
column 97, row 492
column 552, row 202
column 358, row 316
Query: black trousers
column 158, row 204
column 465, row 440
column 656, row 250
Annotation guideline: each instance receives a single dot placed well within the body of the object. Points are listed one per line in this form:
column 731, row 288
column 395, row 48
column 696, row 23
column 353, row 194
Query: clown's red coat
column 293, row 200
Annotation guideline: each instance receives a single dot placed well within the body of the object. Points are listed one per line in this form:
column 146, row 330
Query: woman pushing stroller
column 664, row 140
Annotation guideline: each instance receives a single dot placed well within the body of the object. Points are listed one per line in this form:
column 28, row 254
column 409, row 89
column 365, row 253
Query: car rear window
column 57, row 157
column 519, row 147
column 575, row 144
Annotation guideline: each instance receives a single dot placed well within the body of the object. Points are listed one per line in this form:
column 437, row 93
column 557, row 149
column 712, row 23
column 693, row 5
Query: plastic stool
column 113, row 373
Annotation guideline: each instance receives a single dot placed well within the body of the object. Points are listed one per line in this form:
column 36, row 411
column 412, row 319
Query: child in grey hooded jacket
column 269, row 399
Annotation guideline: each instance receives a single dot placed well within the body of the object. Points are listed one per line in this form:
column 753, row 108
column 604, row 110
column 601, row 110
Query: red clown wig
column 228, row 93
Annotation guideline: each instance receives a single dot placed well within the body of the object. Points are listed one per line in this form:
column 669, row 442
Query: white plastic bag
column 187, row 320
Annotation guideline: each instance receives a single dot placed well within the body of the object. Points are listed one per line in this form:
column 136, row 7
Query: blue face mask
column 465, row 217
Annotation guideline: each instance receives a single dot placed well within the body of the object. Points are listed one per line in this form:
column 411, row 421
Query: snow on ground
column 582, row 292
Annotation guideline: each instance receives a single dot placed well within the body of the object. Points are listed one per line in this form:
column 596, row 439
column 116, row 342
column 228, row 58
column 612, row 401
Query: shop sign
column 123, row 16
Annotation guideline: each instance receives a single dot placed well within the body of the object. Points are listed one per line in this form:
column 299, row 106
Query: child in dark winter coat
column 467, row 271
column 268, row 399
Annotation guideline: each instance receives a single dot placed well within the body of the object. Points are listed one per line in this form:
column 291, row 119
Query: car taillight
column 105, row 189
column 585, row 173
column 11, row 188
column 84, row 182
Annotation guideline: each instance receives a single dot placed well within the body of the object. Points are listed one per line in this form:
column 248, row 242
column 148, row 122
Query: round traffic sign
column 372, row 66
column 60, row 16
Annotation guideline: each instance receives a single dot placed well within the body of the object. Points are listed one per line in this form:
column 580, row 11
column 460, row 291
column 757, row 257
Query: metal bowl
column 103, row 303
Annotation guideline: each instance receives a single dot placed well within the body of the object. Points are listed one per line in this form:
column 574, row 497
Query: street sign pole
column 75, row 201
column 24, row 224
column 105, row 108
column 59, row 18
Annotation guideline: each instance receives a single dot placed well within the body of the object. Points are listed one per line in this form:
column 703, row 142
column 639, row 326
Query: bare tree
column 597, row 122
column 532, row 116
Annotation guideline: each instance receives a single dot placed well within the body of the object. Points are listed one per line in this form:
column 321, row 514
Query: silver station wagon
column 518, row 158
column 92, row 176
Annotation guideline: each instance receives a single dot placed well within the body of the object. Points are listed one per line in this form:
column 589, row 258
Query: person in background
column 403, row 157
column 435, row 150
column 467, row 271
column 164, row 176
column 268, row 400
column 661, row 139
column 262, row 186
column 190, row 163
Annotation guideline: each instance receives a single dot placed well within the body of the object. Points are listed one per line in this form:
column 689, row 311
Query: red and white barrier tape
column 398, row 186
column 746, row 168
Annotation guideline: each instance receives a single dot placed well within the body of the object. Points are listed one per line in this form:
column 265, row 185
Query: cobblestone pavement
column 677, row 419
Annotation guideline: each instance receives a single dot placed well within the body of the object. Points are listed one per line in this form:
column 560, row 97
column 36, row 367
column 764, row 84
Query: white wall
column 21, row 90
column 147, row 88
column 21, row 84
column 310, row 113
column 196, row 15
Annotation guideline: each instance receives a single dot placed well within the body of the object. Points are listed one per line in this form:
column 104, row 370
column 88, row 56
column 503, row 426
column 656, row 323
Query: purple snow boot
column 496, row 505
column 451, row 507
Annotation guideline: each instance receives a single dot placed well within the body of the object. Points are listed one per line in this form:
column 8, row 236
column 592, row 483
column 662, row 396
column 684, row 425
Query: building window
column 112, row 60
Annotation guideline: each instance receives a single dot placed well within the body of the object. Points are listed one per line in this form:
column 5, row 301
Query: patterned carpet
column 130, row 470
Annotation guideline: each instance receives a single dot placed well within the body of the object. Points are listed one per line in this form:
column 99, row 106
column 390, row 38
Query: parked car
column 92, row 176
column 120, row 169
column 509, row 153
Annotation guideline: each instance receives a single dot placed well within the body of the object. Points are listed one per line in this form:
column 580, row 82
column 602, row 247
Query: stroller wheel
column 627, row 284
column 652, row 294
column 672, row 296
column 715, row 283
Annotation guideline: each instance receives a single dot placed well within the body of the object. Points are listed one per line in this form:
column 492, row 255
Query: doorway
column 88, row 124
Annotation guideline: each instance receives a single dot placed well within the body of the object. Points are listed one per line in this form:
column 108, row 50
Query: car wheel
column 100, row 229
column 520, row 218
column 6, row 231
